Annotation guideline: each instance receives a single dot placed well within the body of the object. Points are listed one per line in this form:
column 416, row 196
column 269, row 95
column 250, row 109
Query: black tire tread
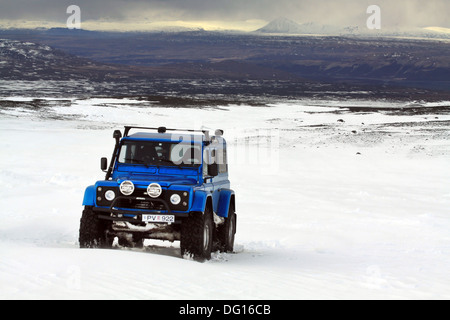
column 191, row 243
column 223, row 243
column 92, row 232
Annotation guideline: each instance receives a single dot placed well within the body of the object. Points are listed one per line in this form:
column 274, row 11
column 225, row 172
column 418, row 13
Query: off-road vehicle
column 165, row 184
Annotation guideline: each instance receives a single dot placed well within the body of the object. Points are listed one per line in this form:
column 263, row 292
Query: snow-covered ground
column 331, row 204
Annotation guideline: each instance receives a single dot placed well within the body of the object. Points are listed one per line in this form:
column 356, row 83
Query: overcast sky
column 229, row 13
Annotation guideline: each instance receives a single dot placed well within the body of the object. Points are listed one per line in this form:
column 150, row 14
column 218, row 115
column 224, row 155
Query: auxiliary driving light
column 127, row 187
column 110, row 195
column 154, row 190
column 175, row 199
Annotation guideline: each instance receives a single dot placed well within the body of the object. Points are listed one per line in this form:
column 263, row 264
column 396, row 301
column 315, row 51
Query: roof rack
column 164, row 129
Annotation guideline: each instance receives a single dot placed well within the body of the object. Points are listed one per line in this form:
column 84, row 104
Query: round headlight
column 175, row 199
column 110, row 195
column 127, row 187
column 154, row 190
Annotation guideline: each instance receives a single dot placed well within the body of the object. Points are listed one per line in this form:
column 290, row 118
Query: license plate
column 158, row 218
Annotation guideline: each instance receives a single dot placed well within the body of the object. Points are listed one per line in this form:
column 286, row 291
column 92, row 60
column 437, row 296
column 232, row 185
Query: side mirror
column 103, row 164
column 213, row 170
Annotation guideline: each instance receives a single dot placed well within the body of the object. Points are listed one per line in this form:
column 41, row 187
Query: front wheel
column 93, row 231
column 196, row 236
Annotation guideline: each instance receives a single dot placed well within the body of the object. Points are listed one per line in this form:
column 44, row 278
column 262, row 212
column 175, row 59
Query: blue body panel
column 200, row 200
column 89, row 196
column 225, row 198
column 169, row 174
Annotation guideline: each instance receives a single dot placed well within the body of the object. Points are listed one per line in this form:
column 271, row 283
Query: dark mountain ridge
column 112, row 56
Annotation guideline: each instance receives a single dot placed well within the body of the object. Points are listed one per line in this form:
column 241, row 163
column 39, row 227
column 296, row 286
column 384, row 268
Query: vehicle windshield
column 154, row 153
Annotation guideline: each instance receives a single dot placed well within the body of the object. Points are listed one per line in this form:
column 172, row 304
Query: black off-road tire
column 226, row 231
column 197, row 236
column 93, row 231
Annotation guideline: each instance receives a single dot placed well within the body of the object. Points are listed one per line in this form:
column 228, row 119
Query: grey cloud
column 340, row 12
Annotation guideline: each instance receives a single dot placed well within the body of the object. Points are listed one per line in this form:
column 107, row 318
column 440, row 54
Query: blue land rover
column 165, row 184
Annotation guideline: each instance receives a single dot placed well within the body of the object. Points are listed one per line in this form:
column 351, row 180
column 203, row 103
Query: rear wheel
column 196, row 235
column 93, row 231
column 226, row 232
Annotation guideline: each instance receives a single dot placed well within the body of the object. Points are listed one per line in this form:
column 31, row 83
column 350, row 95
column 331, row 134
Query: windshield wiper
column 168, row 161
column 179, row 165
column 153, row 163
column 137, row 161
column 132, row 161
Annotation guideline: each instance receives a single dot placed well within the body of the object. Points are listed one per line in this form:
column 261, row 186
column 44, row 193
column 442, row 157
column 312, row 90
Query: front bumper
column 115, row 213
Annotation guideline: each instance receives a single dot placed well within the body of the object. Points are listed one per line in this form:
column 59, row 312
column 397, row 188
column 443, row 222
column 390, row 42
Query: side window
column 206, row 159
column 221, row 159
column 216, row 155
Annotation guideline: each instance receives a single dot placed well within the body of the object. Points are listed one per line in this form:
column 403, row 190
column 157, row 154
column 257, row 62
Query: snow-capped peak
column 281, row 25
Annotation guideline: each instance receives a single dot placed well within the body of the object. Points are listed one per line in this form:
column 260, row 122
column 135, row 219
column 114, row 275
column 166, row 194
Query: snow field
column 316, row 220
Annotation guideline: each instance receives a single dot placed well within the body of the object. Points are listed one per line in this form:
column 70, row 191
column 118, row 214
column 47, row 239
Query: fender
column 200, row 199
column 89, row 196
column 226, row 196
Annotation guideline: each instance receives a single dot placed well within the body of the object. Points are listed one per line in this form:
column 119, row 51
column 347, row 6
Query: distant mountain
column 30, row 61
column 286, row 26
column 281, row 25
column 102, row 56
column 24, row 60
column 21, row 60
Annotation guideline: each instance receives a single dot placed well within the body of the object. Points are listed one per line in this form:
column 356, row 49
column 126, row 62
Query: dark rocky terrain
column 229, row 63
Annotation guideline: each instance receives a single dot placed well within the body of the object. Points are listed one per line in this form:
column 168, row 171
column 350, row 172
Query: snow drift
column 331, row 204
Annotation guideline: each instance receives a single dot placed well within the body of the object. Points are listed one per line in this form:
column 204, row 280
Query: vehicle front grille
column 146, row 204
column 139, row 200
